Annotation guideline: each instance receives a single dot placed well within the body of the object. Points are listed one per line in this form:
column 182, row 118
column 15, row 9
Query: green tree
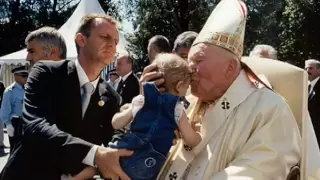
column 170, row 18
column 300, row 31
column 19, row 17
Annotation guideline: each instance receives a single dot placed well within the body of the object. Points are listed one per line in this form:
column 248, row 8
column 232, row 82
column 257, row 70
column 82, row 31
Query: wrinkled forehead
column 198, row 51
column 203, row 50
column 103, row 26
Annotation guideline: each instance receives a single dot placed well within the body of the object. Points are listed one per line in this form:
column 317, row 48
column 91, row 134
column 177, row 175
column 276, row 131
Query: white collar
column 126, row 76
column 313, row 82
column 239, row 90
column 83, row 78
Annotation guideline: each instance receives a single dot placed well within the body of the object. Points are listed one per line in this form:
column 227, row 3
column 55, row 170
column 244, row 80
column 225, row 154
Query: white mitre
column 225, row 27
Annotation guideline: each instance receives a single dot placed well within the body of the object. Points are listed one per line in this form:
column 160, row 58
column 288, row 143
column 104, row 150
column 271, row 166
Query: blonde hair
column 174, row 69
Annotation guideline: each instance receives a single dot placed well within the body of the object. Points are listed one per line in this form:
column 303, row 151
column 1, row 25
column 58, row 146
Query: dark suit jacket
column 55, row 139
column 2, row 88
column 129, row 89
column 314, row 109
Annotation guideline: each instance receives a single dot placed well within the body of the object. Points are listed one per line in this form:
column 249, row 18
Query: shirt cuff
column 89, row 159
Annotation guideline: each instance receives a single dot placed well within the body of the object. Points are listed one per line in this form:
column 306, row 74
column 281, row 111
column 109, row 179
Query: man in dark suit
column 313, row 68
column 45, row 43
column 67, row 111
column 2, row 146
column 128, row 86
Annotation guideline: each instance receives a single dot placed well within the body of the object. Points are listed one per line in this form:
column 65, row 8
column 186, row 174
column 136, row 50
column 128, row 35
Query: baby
column 153, row 117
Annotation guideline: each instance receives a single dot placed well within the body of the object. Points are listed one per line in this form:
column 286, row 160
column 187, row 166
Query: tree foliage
column 300, row 31
column 290, row 26
column 168, row 18
column 19, row 17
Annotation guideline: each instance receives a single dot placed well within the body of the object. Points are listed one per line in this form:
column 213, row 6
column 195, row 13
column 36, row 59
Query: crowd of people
column 196, row 112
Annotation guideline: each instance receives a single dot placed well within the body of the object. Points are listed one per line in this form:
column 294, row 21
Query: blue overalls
column 150, row 136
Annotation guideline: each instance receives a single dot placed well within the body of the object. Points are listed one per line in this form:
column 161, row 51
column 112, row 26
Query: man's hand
column 10, row 130
column 150, row 74
column 107, row 160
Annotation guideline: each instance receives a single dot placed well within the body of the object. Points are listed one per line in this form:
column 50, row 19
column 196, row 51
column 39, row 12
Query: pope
column 249, row 131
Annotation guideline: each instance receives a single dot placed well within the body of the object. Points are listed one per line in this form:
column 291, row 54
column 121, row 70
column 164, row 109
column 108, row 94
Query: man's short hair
column 184, row 40
column 50, row 38
column 263, row 48
column 314, row 62
column 161, row 42
column 86, row 24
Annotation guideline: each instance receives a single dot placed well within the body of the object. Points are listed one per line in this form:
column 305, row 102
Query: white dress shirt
column 114, row 84
column 313, row 83
column 83, row 78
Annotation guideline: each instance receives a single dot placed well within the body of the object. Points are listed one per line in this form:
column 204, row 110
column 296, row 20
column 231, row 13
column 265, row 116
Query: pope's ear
column 231, row 68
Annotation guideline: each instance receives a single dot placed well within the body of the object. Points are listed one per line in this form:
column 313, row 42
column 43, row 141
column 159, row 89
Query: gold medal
column 101, row 103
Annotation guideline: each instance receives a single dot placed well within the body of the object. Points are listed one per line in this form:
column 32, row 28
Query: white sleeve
column 178, row 111
column 137, row 104
column 89, row 159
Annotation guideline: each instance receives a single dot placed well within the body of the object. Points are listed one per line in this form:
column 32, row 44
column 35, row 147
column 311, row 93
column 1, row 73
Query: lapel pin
column 101, row 103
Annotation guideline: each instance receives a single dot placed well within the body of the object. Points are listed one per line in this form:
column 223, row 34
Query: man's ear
column 80, row 40
column 55, row 52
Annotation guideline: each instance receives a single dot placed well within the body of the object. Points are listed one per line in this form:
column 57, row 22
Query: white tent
column 68, row 30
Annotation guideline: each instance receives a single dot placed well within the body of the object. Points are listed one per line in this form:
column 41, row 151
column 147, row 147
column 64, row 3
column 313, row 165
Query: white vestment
column 250, row 133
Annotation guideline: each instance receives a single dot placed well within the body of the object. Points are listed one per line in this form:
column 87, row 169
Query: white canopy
column 68, row 30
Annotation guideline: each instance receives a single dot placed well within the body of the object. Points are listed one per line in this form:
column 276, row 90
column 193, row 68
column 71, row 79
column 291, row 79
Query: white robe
column 249, row 134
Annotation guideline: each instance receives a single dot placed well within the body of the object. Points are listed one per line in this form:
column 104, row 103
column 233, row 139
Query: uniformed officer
column 12, row 100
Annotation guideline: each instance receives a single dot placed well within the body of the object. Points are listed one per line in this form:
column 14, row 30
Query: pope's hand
column 177, row 137
column 150, row 74
column 10, row 130
column 107, row 160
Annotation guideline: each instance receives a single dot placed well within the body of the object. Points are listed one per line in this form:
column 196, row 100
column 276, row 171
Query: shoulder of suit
column 135, row 77
column 52, row 65
column 317, row 85
column 113, row 92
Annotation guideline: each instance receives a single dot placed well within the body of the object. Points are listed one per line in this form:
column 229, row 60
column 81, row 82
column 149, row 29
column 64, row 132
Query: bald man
column 128, row 86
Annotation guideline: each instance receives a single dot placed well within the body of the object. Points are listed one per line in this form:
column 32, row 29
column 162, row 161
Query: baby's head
column 176, row 73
